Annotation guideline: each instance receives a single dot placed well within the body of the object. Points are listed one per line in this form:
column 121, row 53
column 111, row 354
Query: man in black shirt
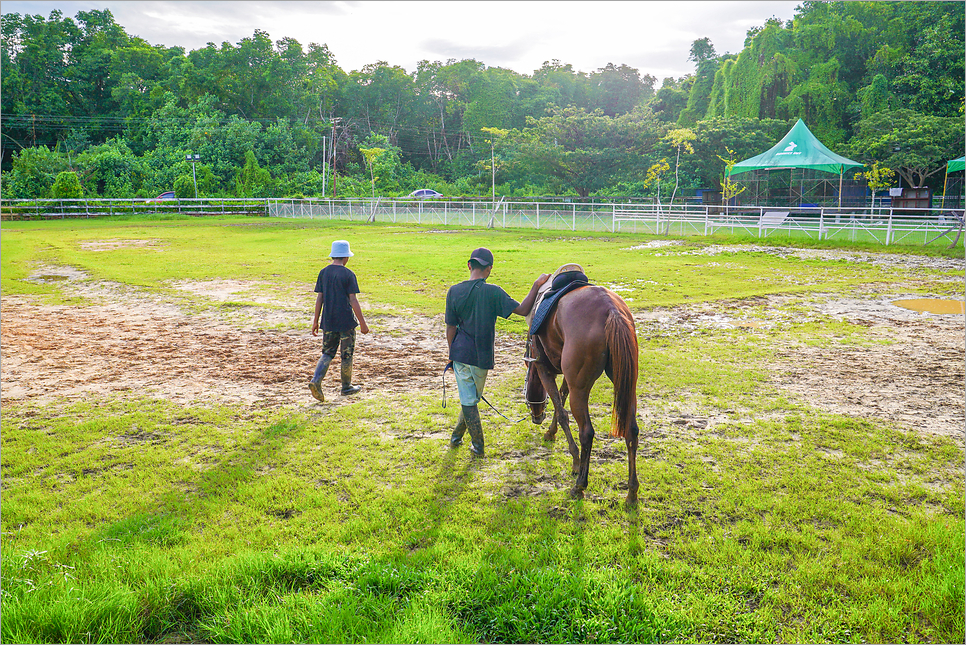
column 337, row 288
column 472, row 307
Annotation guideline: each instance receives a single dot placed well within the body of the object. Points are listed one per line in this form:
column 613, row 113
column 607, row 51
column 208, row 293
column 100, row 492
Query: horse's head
column 535, row 395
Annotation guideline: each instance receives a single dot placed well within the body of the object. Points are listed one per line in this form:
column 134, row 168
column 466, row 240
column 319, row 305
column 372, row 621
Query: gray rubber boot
column 315, row 385
column 457, row 439
column 347, row 386
column 475, row 427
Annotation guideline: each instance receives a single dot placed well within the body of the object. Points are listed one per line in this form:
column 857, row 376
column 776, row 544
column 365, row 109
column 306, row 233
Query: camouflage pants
column 332, row 339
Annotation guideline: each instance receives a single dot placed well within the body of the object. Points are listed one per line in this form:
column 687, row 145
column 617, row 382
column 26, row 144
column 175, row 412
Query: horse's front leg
column 552, row 432
column 559, row 414
column 580, row 407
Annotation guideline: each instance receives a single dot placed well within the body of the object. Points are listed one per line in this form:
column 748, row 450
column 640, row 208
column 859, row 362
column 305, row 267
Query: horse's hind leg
column 632, row 484
column 579, row 406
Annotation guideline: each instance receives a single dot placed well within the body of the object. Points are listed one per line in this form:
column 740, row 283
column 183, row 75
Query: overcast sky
column 654, row 37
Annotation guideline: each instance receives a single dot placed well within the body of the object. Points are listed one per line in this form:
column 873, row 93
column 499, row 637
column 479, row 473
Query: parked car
column 424, row 193
column 168, row 194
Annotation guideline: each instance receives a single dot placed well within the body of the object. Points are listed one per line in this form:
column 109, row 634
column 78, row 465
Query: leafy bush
column 67, row 186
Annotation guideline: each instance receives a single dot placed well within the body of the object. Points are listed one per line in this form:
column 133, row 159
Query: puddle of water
column 49, row 278
column 933, row 305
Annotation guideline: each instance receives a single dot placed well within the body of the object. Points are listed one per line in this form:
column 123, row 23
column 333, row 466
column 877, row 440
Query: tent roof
column 956, row 164
column 798, row 149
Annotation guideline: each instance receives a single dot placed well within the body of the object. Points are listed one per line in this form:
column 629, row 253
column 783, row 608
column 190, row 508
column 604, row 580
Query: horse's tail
column 622, row 346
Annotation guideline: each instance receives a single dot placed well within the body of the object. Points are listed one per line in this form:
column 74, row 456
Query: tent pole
column 841, row 172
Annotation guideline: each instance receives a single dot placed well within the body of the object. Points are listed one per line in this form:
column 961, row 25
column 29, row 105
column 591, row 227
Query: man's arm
column 357, row 310
column 527, row 303
column 318, row 310
column 450, row 334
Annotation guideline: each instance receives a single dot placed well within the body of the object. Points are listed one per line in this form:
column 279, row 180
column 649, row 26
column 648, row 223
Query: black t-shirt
column 335, row 283
column 473, row 306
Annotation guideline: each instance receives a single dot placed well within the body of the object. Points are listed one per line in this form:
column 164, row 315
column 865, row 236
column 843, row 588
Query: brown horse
column 590, row 332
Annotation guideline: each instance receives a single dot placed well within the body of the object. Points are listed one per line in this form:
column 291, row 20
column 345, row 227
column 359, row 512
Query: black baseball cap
column 482, row 256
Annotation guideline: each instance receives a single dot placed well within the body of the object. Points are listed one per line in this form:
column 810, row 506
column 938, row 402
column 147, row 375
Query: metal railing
column 19, row 209
column 504, row 214
column 879, row 224
column 876, row 225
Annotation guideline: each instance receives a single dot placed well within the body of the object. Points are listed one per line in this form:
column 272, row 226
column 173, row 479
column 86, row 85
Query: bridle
column 529, row 360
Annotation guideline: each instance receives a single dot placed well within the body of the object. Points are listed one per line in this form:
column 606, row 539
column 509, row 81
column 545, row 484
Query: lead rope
column 448, row 367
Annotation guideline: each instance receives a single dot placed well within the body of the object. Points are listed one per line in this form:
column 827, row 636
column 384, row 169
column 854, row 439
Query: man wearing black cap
column 471, row 310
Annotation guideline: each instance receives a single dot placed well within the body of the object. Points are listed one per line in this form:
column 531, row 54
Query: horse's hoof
column 549, row 437
column 630, row 503
column 577, row 493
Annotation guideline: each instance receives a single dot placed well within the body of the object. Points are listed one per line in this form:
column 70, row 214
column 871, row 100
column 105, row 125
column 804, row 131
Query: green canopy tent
column 798, row 149
column 952, row 166
column 959, row 222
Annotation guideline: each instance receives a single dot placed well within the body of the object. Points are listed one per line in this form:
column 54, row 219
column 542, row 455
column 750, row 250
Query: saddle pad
column 549, row 302
column 545, row 287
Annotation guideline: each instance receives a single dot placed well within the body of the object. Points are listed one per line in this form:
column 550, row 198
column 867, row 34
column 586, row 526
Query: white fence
column 540, row 215
column 875, row 225
column 86, row 208
column 881, row 225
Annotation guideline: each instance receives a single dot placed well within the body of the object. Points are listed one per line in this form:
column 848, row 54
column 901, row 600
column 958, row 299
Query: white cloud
column 654, row 37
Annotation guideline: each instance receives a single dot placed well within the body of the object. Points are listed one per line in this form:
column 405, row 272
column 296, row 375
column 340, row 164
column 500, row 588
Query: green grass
column 147, row 521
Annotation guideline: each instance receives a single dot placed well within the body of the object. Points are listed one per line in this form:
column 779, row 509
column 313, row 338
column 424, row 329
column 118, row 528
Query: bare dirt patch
column 134, row 344
column 129, row 343
column 114, row 244
column 909, row 368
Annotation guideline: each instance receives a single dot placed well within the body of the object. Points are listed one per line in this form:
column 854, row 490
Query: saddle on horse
column 564, row 280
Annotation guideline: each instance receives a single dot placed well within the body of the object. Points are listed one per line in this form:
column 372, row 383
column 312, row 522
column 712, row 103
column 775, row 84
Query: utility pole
column 493, row 169
column 325, row 167
column 335, row 176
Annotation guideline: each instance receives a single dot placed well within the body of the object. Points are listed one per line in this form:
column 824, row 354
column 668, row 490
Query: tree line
column 89, row 110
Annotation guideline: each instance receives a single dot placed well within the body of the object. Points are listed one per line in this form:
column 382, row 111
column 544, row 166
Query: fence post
column 573, row 225
column 538, row 215
column 889, row 227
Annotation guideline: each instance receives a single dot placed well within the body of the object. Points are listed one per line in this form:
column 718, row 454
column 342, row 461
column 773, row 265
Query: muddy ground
column 132, row 344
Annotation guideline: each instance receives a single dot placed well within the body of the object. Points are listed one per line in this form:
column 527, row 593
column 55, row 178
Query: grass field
column 167, row 478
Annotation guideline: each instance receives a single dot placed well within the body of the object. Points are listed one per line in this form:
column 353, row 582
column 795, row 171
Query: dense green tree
column 915, row 145
column 252, row 180
column 380, row 98
column 82, row 86
column 35, row 67
column 618, row 89
column 699, row 92
column 112, row 169
column 582, row 150
column 671, row 100
column 33, row 173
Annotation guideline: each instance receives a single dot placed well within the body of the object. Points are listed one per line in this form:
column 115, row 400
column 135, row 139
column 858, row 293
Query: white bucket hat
column 340, row 249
